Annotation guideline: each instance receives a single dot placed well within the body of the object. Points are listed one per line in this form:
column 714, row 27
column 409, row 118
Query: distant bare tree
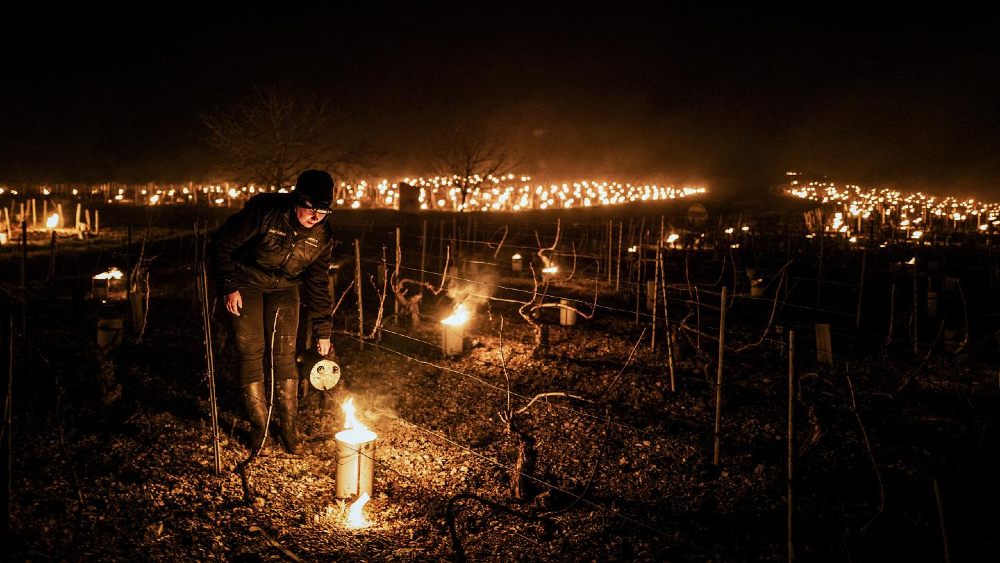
column 273, row 134
column 471, row 154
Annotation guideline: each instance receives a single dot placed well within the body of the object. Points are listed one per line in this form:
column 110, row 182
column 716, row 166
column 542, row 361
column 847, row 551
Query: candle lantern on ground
column 515, row 263
column 355, row 456
column 108, row 285
column 453, row 331
column 549, row 273
column 567, row 314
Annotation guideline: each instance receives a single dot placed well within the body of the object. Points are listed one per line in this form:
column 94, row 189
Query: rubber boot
column 256, row 405
column 288, row 413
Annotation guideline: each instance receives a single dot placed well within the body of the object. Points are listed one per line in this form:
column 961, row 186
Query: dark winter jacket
column 263, row 246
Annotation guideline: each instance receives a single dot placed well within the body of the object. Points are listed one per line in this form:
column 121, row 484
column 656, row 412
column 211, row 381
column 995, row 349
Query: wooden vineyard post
column 639, row 275
column 423, row 251
column 24, row 255
column 819, row 277
column 357, row 287
column 666, row 328
column 718, row 379
column 24, row 287
column 940, row 511
column 892, row 312
column 206, row 314
column 7, row 364
column 52, row 258
column 861, row 289
column 618, row 259
column 791, row 442
column 916, row 314
column 441, row 245
column 611, row 241
column 656, row 293
column 395, row 279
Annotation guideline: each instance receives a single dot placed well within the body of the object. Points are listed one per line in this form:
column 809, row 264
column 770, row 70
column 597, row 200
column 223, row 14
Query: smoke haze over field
column 577, row 92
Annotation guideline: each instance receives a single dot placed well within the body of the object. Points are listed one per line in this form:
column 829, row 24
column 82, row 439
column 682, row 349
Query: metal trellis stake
column 210, row 361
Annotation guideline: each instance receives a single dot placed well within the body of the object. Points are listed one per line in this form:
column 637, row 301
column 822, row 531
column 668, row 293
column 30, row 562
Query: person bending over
column 263, row 256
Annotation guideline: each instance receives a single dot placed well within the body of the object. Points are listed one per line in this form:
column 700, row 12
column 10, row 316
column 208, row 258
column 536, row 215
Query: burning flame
column 354, row 431
column 53, row 221
column 673, row 238
column 550, row 270
column 355, row 515
column 458, row 317
column 112, row 274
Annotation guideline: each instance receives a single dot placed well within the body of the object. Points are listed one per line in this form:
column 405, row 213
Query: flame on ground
column 355, row 515
column 458, row 317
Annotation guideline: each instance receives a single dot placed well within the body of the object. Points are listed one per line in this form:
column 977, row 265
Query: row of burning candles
column 492, row 193
column 911, row 208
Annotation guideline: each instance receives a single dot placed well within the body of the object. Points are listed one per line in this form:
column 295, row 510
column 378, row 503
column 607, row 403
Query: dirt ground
column 894, row 454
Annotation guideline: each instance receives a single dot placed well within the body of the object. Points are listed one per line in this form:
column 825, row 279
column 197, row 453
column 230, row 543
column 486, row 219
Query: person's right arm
column 236, row 231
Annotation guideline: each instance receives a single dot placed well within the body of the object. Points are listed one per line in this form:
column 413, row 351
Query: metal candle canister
column 567, row 314
column 515, row 263
column 355, row 462
column 451, row 339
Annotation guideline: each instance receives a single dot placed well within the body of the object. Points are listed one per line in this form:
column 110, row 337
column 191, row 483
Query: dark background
column 904, row 97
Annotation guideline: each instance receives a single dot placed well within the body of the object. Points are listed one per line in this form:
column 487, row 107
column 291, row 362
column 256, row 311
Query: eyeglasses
column 318, row 210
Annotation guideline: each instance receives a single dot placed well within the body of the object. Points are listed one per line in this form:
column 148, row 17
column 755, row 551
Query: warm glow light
column 53, row 221
column 550, row 270
column 673, row 238
column 354, row 431
column 458, row 317
column 917, row 234
column 112, row 274
column 516, row 257
column 355, row 515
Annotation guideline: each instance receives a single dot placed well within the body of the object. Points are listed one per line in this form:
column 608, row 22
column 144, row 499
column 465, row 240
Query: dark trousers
column 266, row 317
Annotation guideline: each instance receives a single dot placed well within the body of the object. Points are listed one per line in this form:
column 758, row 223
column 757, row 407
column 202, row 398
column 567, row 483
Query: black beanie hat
column 315, row 187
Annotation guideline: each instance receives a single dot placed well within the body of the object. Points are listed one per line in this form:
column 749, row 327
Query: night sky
column 899, row 98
